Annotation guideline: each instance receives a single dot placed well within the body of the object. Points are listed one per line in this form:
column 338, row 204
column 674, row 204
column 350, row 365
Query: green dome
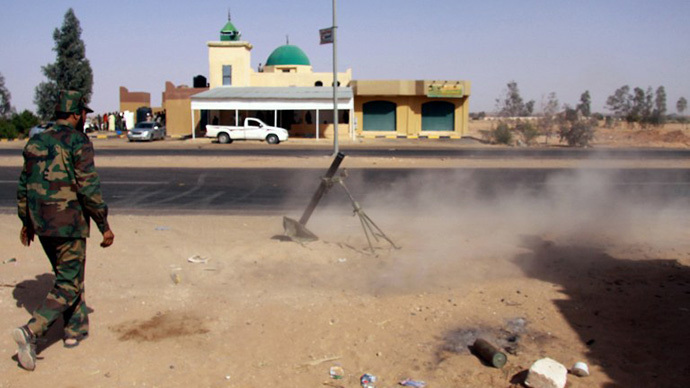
column 287, row 55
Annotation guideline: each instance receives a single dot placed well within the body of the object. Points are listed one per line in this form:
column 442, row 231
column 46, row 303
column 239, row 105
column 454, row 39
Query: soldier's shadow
column 631, row 313
column 29, row 294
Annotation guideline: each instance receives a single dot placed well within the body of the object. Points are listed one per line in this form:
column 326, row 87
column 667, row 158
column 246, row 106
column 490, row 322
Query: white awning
column 272, row 98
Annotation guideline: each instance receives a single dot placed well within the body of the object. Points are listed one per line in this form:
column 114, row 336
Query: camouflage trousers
column 68, row 258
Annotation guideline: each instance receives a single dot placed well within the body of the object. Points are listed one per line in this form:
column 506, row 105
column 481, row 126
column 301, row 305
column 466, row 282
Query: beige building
column 411, row 109
column 287, row 92
column 230, row 65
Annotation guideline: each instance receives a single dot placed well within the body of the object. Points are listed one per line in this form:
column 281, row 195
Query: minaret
column 229, row 59
column 229, row 33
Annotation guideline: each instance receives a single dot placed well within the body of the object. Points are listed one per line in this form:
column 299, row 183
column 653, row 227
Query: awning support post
column 193, row 131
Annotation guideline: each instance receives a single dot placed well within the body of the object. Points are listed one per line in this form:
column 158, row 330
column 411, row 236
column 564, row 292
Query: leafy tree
column 585, row 105
column 71, row 69
column 681, row 105
column 45, row 98
column 575, row 129
column 7, row 130
column 620, row 102
column 660, row 100
column 5, row 97
column 642, row 107
column 648, row 108
column 659, row 112
column 571, row 114
column 24, row 121
column 512, row 105
column 527, row 131
column 18, row 124
column 578, row 133
column 529, row 108
column 637, row 107
column 547, row 122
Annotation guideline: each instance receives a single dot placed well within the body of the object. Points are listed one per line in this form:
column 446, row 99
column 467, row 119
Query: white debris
column 580, row 369
column 547, row 373
column 196, row 259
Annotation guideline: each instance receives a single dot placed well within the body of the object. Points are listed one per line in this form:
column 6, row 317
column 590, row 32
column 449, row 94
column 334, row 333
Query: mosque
column 285, row 91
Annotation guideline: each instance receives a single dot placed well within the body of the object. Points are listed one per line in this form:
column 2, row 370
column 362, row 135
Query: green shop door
column 379, row 116
column 438, row 116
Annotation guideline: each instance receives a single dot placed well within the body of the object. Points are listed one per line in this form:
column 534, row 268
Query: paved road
column 280, row 191
column 382, row 150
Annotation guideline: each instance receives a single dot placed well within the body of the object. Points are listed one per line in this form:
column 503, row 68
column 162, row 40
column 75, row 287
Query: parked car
column 253, row 129
column 147, row 131
column 90, row 127
column 40, row 128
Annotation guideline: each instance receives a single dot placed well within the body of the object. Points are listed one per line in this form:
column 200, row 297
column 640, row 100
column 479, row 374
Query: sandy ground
column 575, row 276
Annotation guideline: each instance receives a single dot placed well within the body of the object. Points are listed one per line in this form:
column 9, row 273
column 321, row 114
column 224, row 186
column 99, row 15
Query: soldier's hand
column 108, row 238
column 26, row 236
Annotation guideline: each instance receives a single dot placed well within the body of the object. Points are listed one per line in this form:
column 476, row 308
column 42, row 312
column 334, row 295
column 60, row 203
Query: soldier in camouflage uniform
column 58, row 193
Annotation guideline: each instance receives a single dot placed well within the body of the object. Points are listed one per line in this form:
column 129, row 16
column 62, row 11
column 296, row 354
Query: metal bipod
column 368, row 225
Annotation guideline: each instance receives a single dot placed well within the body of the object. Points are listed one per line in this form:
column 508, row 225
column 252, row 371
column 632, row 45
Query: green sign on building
column 445, row 91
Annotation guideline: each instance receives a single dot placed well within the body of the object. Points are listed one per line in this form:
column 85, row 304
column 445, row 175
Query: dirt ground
column 577, row 275
column 674, row 135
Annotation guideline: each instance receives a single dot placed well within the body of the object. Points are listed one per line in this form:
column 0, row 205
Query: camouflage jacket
column 59, row 188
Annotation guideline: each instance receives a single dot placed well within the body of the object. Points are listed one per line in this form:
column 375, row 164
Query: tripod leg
column 366, row 232
column 380, row 232
column 366, row 221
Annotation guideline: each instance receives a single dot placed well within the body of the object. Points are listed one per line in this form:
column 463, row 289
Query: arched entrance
column 379, row 116
column 438, row 116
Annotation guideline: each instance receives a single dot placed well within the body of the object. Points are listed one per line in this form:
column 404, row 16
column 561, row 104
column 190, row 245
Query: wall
column 178, row 109
column 298, row 78
column 236, row 54
column 131, row 101
column 325, row 131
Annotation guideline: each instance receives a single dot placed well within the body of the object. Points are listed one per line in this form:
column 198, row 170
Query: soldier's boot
column 27, row 347
column 77, row 326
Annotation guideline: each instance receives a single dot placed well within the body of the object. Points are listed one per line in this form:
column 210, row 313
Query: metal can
column 337, row 372
column 368, row 381
column 489, row 353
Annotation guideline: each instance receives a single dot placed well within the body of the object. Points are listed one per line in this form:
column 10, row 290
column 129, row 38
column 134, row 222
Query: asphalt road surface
column 383, row 150
column 287, row 191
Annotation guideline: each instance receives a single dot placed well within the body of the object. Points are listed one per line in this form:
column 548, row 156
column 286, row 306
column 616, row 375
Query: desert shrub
column 23, row 122
column 502, row 134
column 477, row 115
column 578, row 133
column 7, row 129
column 528, row 132
column 608, row 122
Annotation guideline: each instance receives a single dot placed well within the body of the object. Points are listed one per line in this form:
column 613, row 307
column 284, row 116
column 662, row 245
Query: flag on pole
column 326, row 35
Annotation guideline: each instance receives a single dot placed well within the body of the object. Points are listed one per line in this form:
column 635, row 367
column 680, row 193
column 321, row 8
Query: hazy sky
column 565, row 47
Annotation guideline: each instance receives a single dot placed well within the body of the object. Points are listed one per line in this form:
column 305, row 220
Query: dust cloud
column 456, row 226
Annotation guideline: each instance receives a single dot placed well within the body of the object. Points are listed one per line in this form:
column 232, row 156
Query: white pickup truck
column 253, row 129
